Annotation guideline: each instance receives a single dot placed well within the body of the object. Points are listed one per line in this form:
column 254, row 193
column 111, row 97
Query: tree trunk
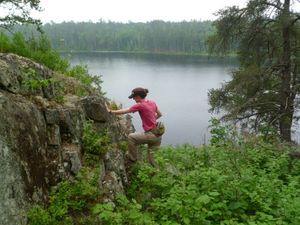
column 286, row 95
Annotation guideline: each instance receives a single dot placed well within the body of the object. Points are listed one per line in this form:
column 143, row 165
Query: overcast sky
column 131, row 10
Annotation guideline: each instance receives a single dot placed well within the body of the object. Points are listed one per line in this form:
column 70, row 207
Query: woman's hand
column 107, row 108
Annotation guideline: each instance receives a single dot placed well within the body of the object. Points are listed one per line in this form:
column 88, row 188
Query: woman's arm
column 158, row 114
column 117, row 111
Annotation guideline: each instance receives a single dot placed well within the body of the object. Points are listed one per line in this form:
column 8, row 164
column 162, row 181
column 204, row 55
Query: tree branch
column 272, row 4
column 295, row 20
column 18, row 11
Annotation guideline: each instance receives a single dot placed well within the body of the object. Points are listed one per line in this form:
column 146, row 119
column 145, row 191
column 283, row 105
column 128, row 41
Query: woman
column 149, row 112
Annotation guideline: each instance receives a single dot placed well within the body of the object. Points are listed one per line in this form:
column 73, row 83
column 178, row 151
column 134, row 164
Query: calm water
column 179, row 85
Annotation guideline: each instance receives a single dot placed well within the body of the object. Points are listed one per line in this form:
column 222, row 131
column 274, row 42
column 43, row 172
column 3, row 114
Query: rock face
column 41, row 141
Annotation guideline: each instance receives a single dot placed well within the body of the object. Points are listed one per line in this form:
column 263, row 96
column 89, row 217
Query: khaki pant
column 135, row 139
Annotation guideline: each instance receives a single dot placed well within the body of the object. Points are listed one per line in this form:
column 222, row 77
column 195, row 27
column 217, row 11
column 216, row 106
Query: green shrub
column 38, row 49
column 67, row 199
column 128, row 212
column 6, row 44
column 38, row 215
column 33, row 82
column 122, row 145
column 81, row 73
column 249, row 184
column 95, row 144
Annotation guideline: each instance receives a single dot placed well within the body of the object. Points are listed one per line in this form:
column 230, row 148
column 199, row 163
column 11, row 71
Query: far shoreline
column 230, row 55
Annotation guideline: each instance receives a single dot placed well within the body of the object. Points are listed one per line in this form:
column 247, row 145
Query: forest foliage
column 187, row 37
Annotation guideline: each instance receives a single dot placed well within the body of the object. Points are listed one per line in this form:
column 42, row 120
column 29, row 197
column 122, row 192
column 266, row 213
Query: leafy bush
column 249, row 184
column 95, row 144
column 81, row 73
column 39, row 50
column 67, row 199
column 127, row 213
column 33, row 81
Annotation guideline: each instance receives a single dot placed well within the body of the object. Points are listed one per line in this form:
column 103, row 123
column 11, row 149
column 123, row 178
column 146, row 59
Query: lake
column 178, row 84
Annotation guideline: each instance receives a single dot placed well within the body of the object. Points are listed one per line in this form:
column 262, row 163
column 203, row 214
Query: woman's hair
column 142, row 92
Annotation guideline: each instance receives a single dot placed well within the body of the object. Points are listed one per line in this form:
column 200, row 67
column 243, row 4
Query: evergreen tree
column 263, row 91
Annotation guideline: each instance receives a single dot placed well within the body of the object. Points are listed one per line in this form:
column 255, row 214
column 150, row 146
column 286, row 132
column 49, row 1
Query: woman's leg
column 135, row 139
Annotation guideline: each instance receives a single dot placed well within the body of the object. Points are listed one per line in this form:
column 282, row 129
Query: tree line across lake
column 155, row 36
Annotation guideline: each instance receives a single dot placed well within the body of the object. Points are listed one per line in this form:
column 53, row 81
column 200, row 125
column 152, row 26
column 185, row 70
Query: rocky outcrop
column 41, row 140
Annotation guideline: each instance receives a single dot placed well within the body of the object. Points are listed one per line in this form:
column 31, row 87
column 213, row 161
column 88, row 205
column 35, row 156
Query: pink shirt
column 147, row 110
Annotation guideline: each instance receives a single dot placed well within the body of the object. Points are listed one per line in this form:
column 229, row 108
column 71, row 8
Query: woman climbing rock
column 153, row 130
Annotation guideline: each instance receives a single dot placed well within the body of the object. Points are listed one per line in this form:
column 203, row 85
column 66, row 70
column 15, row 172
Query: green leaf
column 186, row 220
column 205, row 199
